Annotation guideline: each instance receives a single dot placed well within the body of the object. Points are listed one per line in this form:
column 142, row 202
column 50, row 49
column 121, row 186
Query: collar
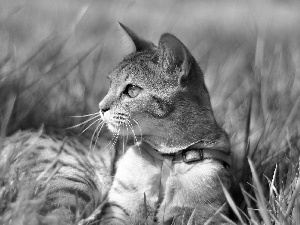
column 195, row 153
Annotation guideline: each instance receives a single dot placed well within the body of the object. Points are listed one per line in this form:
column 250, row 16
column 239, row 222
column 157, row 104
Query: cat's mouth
column 115, row 122
column 115, row 118
column 124, row 126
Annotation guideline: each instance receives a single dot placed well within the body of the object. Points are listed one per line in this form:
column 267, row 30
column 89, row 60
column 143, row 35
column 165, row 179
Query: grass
column 55, row 55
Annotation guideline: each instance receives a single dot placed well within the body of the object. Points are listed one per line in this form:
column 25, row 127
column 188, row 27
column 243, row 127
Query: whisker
column 78, row 125
column 118, row 132
column 98, row 133
column 139, row 128
column 134, row 136
column 127, row 137
column 86, row 115
column 131, row 127
column 112, row 140
column 98, row 125
column 123, row 138
column 90, row 126
column 114, row 134
column 93, row 136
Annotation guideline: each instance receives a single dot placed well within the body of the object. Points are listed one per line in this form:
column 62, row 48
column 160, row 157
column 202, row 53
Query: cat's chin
column 112, row 128
column 124, row 130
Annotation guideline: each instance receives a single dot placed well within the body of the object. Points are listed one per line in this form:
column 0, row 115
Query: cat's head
column 158, row 94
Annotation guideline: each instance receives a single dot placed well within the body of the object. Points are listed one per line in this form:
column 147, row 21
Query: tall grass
column 55, row 55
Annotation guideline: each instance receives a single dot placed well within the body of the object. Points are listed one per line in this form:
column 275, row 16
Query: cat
column 173, row 174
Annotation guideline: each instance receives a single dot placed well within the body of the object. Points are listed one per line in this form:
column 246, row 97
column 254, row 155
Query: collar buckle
column 192, row 155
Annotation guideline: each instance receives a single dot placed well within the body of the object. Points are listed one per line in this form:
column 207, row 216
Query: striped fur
column 59, row 169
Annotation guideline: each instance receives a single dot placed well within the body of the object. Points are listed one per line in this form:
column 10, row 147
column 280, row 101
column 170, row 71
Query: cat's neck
column 178, row 140
column 168, row 146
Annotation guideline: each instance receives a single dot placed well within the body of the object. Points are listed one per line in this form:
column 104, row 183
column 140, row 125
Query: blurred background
column 55, row 56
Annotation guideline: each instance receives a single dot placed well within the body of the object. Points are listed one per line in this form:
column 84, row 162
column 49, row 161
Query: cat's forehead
column 134, row 67
column 141, row 69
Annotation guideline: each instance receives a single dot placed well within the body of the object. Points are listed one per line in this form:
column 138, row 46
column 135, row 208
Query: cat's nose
column 103, row 108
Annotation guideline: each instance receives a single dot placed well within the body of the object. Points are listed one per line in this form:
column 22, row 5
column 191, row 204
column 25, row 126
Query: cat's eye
column 132, row 90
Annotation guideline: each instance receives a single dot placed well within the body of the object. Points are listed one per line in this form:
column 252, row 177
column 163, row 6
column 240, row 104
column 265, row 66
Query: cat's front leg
column 133, row 197
column 194, row 193
column 126, row 209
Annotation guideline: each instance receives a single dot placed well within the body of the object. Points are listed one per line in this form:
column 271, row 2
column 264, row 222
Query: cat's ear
column 133, row 42
column 173, row 55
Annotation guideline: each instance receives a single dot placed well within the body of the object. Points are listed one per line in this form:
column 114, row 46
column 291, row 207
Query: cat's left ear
column 174, row 56
column 133, row 42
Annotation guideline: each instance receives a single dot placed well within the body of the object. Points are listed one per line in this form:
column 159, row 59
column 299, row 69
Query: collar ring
column 189, row 158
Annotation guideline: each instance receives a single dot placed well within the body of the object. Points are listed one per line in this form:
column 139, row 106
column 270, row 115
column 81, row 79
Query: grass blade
column 260, row 196
column 232, row 204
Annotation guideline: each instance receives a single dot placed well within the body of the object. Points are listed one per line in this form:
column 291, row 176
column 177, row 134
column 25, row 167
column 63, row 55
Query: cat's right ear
column 173, row 55
column 132, row 42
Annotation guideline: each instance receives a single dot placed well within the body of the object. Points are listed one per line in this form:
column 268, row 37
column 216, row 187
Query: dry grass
column 54, row 56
